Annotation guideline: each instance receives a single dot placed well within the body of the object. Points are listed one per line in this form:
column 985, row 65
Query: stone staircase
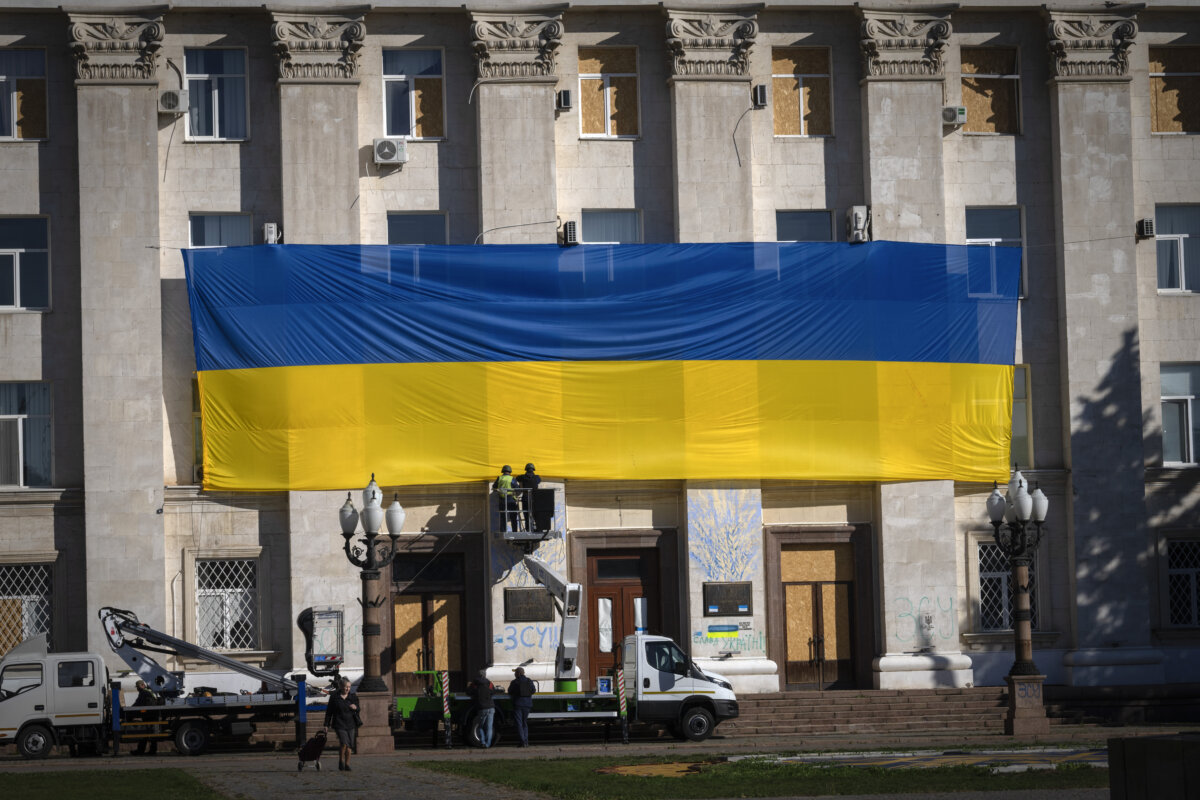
column 879, row 711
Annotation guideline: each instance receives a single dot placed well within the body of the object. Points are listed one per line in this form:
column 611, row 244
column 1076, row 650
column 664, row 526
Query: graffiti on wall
column 725, row 534
column 540, row 636
column 925, row 622
column 509, row 571
column 745, row 642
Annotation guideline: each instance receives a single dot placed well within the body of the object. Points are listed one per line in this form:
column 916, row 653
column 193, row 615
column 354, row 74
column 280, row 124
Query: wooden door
column 818, row 594
column 428, row 636
column 622, row 592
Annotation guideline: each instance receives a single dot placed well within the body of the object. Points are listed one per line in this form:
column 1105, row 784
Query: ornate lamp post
column 1017, row 518
column 371, row 556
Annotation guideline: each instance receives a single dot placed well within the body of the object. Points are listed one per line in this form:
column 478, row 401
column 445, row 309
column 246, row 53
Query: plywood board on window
column 989, row 61
column 798, row 611
column 31, row 109
column 624, row 106
column 407, row 618
column 11, row 624
column 818, row 111
column 428, row 99
column 591, row 105
column 799, row 61
column 835, row 623
column 817, row 562
column 1175, row 104
column 785, row 93
column 447, row 632
column 1175, row 59
column 607, row 60
column 991, row 105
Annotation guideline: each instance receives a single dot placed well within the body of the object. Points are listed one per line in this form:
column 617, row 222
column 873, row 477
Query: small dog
column 311, row 751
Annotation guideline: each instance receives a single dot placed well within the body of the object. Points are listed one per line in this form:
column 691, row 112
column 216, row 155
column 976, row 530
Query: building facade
column 127, row 134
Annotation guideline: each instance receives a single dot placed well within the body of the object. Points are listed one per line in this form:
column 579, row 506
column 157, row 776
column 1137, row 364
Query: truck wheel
column 192, row 738
column 472, row 729
column 35, row 741
column 697, row 724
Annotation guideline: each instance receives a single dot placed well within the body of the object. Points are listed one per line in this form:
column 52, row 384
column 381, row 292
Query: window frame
column 976, row 542
column 637, row 215
column 223, row 214
column 804, row 134
column 1177, row 240
column 408, row 80
column 20, row 438
column 1022, row 292
column 10, row 97
column 827, row 211
column 1150, row 85
column 191, row 628
column 28, row 561
column 16, row 252
column 1166, row 539
column 215, row 95
column 1015, row 77
column 605, row 78
column 445, row 227
column 1189, row 419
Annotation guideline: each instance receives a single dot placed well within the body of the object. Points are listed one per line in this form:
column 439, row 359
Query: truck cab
column 48, row 698
column 668, row 688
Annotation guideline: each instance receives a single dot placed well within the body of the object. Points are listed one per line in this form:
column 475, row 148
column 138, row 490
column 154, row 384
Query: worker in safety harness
column 508, row 498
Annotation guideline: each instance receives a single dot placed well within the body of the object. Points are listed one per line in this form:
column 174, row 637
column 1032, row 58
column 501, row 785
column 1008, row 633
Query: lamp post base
column 375, row 735
column 1026, row 711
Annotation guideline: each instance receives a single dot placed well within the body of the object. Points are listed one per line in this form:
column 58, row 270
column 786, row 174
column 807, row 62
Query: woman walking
column 342, row 715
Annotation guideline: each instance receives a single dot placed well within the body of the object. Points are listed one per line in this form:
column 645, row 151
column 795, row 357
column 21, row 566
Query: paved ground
column 273, row 775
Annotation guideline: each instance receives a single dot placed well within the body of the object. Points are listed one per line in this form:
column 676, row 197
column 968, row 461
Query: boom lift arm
column 568, row 597
column 128, row 637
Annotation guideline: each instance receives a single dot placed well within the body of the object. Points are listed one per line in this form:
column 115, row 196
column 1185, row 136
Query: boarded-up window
column 990, row 89
column 1175, row 89
column 414, row 96
column 802, row 88
column 22, row 94
column 608, row 91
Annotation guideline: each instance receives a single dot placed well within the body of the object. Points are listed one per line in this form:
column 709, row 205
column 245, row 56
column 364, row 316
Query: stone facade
column 124, row 524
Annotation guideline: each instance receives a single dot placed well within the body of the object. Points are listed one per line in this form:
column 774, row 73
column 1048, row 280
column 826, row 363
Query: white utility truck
column 49, row 699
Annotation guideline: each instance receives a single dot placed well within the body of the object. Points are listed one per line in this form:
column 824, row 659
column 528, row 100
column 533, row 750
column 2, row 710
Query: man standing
column 481, row 690
column 521, row 692
column 508, row 499
column 145, row 697
column 527, row 483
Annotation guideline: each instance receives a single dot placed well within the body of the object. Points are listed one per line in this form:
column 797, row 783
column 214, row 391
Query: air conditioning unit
column 562, row 100
column 271, row 233
column 954, row 115
column 758, row 96
column 1145, row 228
column 570, row 233
column 858, row 224
column 391, row 151
column 173, row 101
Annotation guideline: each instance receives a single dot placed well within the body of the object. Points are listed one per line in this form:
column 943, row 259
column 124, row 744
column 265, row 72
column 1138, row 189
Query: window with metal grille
column 1183, row 573
column 25, row 603
column 227, row 603
column 996, row 589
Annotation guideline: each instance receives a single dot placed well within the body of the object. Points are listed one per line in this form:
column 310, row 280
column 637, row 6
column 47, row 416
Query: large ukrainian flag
column 319, row 365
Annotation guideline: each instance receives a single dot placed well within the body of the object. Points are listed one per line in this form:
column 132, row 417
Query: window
column 25, row 434
column 216, row 81
column 1183, row 573
column 22, row 94
column 990, row 90
column 413, row 94
column 993, row 227
column 1021, row 451
column 416, row 228
column 1177, row 238
column 608, row 91
column 75, row 673
column 666, row 657
column 1175, row 89
column 996, row 589
column 1180, row 383
column 24, row 262
column 804, row 226
column 227, row 603
column 610, row 227
column 801, row 89
column 18, row 679
column 220, row 230
column 25, row 608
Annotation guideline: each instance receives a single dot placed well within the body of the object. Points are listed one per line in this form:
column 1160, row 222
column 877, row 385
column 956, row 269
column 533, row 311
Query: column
column 514, row 114
column 902, row 103
column 710, row 91
column 116, row 59
column 318, row 125
column 1097, row 293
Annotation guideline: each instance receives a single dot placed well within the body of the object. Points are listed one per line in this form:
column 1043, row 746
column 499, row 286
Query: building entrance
column 818, row 594
column 623, row 597
column 428, row 621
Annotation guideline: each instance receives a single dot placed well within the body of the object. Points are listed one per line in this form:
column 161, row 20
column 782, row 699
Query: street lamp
column 1017, row 518
column 371, row 556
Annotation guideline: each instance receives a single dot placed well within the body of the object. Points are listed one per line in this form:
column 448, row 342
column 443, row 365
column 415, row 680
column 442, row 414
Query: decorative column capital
column 517, row 47
column 112, row 48
column 903, row 45
column 716, row 46
column 1090, row 47
column 317, row 48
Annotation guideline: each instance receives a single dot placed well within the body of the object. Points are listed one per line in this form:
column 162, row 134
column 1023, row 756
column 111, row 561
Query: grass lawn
column 117, row 784
column 596, row 778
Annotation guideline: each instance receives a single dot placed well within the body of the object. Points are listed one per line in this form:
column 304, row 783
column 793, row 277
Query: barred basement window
column 227, row 603
column 25, row 603
column 1183, row 573
column 996, row 589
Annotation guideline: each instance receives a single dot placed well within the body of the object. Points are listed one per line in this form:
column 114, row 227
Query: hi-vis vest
column 504, row 485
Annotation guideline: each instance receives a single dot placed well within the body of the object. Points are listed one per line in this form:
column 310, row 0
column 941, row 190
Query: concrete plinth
column 1026, row 710
column 375, row 736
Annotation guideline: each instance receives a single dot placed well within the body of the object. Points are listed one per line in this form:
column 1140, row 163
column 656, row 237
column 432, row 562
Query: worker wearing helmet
column 504, row 487
column 527, row 483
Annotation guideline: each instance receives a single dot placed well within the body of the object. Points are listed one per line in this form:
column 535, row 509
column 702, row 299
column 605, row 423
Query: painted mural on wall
column 725, row 545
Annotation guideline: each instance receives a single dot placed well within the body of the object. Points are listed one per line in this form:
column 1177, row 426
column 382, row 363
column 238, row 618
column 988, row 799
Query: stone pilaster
column 1092, row 147
column 514, row 64
column 317, row 57
column 116, row 58
column 710, row 91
